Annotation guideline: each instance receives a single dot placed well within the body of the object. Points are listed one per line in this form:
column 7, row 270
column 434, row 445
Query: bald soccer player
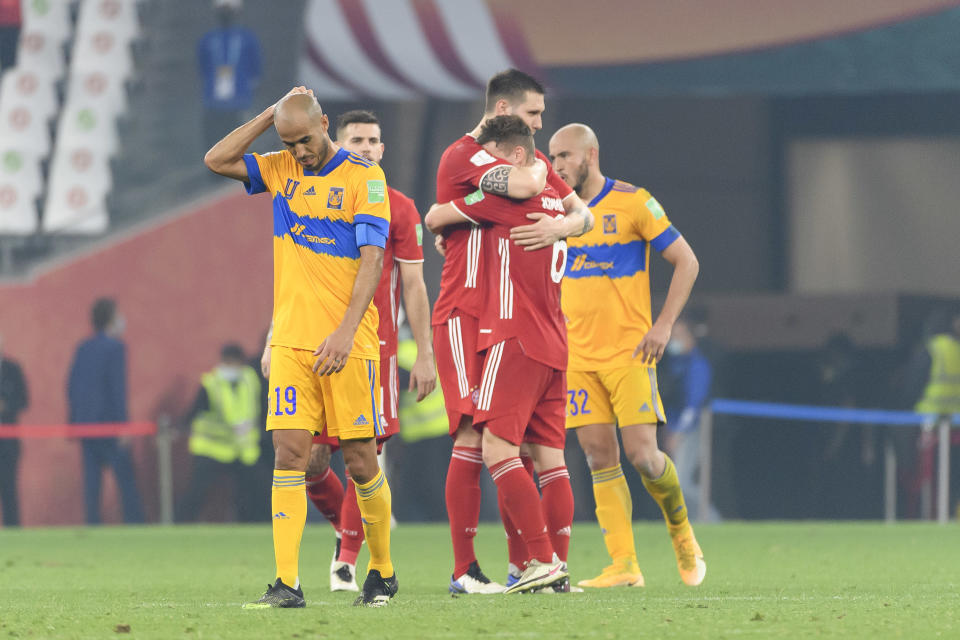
column 328, row 257
column 614, row 348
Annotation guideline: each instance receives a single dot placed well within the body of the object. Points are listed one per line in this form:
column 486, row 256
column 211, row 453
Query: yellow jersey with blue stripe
column 606, row 288
column 316, row 253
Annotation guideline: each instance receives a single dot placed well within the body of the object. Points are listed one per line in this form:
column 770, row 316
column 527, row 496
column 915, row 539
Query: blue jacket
column 235, row 48
column 693, row 374
column 97, row 387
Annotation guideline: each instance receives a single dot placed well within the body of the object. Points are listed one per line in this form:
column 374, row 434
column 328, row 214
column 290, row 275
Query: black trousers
column 9, row 463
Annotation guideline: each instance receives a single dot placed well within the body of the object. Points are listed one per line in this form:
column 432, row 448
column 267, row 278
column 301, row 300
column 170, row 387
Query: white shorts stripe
column 490, row 376
column 456, row 349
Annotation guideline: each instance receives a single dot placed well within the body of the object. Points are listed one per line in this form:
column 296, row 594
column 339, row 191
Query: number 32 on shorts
column 578, row 402
column 288, row 400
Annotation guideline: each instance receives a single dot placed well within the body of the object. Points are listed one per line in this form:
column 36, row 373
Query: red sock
column 557, row 503
column 516, row 547
column 523, row 504
column 326, row 494
column 350, row 526
column 463, row 504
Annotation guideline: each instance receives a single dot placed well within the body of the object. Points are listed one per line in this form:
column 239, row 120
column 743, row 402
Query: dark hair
column 232, row 351
column 356, row 116
column 511, row 85
column 102, row 313
column 508, row 131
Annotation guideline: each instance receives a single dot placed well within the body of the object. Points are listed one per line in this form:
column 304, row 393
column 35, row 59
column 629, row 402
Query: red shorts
column 458, row 365
column 521, row 400
column 389, row 383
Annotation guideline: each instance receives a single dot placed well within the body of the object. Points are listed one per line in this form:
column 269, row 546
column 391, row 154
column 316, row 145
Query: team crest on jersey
column 335, row 198
column 291, row 188
column 610, row 223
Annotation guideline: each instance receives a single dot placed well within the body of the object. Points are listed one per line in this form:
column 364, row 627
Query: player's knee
column 466, row 435
column 648, row 460
column 360, row 459
column 601, row 454
column 319, row 459
column 290, row 457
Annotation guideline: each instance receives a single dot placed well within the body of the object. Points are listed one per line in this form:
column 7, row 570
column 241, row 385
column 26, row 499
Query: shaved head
column 575, row 154
column 302, row 127
column 578, row 134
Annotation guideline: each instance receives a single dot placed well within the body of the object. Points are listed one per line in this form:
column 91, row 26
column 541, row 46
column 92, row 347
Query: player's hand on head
column 333, row 352
column 544, row 231
column 653, row 345
column 423, row 377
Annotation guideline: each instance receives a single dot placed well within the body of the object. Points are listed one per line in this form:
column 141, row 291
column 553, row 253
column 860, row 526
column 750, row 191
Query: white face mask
column 229, row 373
column 119, row 326
column 676, row 348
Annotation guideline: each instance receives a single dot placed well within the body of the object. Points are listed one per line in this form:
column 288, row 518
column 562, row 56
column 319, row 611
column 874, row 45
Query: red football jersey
column 521, row 288
column 404, row 244
column 462, row 167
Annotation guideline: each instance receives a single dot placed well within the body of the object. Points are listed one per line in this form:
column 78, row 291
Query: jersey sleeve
column 651, row 221
column 406, row 230
column 554, row 179
column 371, row 204
column 264, row 171
column 467, row 170
column 480, row 208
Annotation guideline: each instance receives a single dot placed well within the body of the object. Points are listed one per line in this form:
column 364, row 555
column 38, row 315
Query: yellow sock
column 668, row 494
column 615, row 513
column 374, row 500
column 289, row 499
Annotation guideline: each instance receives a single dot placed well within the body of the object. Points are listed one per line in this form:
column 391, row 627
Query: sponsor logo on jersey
column 298, row 230
column 481, row 158
column 360, row 422
column 654, row 207
column 291, row 188
column 419, row 229
column 376, row 191
column 474, row 197
column 335, row 198
column 581, row 262
column 310, row 192
column 610, row 223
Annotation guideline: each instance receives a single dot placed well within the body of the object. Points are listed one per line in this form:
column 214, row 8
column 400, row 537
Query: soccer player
column 520, row 329
column 464, row 167
column 331, row 220
column 359, row 132
column 614, row 349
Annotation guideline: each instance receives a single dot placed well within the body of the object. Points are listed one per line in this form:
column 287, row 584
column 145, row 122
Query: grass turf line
column 764, row 580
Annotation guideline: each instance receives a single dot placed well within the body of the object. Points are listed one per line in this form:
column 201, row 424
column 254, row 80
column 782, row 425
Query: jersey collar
column 603, row 192
column 332, row 164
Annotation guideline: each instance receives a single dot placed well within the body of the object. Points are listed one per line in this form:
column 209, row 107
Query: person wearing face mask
column 223, row 437
column 97, row 393
column 688, row 375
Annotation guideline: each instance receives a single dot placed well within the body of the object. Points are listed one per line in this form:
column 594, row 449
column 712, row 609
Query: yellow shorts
column 627, row 396
column 346, row 403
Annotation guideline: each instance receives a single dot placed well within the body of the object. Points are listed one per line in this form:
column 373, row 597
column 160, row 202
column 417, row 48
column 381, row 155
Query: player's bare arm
column 685, row 270
column 546, row 230
column 423, row 375
column 265, row 356
column 226, row 157
column 333, row 352
column 444, row 215
column 519, row 183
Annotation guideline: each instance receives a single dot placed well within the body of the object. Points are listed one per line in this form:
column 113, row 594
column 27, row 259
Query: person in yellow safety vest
column 941, row 395
column 424, row 419
column 224, row 439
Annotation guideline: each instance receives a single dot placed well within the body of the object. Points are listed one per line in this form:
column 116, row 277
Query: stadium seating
column 20, row 186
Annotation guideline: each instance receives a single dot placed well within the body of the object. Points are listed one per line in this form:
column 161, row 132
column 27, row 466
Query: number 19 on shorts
column 283, row 402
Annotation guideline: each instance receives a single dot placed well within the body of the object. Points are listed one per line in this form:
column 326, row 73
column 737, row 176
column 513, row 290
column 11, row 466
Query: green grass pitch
column 766, row 580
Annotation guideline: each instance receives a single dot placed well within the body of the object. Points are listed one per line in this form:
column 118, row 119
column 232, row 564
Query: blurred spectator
column 9, row 32
column 13, row 400
column 228, row 59
column 687, row 378
column 224, row 438
column 97, row 392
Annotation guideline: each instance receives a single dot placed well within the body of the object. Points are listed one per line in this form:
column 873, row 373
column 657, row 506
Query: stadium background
column 807, row 151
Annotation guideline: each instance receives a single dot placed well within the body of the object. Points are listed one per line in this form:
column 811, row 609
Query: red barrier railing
column 62, row 431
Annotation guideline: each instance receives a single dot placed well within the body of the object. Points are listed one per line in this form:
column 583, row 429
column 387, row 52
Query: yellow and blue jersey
column 320, row 220
column 606, row 288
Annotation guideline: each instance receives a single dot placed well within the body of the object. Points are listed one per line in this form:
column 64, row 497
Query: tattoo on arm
column 495, row 181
